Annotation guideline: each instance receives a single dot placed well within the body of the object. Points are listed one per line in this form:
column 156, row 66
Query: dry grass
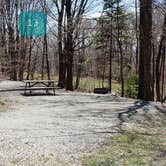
column 144, row 145
column 4, row 105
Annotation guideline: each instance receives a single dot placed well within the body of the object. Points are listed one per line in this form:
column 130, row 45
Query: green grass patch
column 131, row 148
column 88, row 84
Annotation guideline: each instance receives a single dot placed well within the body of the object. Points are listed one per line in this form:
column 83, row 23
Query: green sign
column 32, row 23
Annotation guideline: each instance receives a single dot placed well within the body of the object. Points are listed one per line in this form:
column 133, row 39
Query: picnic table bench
column 47, row 85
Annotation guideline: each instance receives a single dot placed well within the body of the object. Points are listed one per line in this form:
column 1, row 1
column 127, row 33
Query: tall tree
column 10, row 9
column 74, row 13
column 145, row 85
column 60, row 5
column 160, row 62
column 137, row 35
column 69, row 45
column 117, row 16
column 109, row 10
column 120, row 47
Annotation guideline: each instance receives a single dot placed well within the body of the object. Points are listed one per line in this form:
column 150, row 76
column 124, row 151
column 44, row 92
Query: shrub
column 131, row 86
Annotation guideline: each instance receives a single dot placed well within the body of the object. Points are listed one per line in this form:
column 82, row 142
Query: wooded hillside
column 123, row 48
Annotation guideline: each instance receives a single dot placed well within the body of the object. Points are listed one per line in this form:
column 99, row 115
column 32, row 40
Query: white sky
column 97, row 6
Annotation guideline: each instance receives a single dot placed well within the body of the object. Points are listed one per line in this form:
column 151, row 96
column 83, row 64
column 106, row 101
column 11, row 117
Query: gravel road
column 57, row 130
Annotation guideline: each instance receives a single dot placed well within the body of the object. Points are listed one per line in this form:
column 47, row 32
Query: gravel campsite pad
column 58, row 130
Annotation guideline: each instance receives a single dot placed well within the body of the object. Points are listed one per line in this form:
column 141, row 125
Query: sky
column 97, row 6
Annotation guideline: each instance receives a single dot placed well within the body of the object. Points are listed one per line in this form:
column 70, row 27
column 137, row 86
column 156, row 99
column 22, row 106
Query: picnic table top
column 38, row 81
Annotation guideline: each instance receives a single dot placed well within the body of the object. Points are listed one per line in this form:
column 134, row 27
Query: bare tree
column 74, row 13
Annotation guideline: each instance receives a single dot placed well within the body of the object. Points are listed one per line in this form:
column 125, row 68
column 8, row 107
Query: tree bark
column 69, row 46
column 137, row 36
column 121, row 52
column 145, row 78
column 110, row 58
column 62, row 70
column 159, row 61
column 29, row 58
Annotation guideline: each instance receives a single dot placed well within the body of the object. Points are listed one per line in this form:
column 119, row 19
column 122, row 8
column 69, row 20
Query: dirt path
column 44, row 130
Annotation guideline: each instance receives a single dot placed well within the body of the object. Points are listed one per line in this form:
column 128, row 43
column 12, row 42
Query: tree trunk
column 69, row 46
column 62, row 71
column 137, row 37
column 145, row 88
column 47, row 58
column 121, row 52
column 110, row 58
column 22, row 58
column 121, row 69
column 78, row 76
column 153, row 69
column 159, row 62
column 29, row 58
column 11, row 43
column 163, row 74
column 34, row 64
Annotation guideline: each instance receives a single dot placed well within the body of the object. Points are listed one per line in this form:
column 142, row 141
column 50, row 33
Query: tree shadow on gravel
column 162, row 110
column 131, row 111
column 39, row 94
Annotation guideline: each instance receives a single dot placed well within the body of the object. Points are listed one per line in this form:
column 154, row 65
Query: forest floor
column 59, row 130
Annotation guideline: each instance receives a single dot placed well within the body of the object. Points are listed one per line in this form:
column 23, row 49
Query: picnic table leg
column 47, row 89
column 30, row 89
column 25, row 89
column 54, row 91
column 53, row 88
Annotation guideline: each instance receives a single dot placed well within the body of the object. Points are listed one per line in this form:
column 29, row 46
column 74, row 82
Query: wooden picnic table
column 47, row 85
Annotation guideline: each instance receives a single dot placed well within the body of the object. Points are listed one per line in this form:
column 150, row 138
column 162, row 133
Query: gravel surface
column 57, row 130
